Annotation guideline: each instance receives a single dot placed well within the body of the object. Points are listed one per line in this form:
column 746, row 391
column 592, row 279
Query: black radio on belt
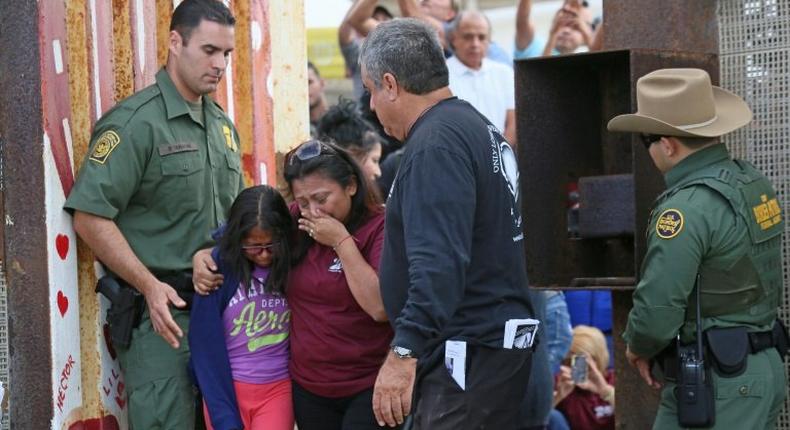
column 694, row 391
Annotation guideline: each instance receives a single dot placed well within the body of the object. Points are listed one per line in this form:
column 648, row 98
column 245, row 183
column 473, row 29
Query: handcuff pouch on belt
column 729, row 348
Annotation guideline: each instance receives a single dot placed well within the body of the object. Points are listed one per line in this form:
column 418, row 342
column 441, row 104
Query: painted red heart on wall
column 107, row 422
column 108, row 340
column 62, row 245
column 120, row 401
column 63, row 303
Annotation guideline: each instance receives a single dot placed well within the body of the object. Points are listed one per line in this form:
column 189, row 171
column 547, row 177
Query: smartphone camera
column 579, row 368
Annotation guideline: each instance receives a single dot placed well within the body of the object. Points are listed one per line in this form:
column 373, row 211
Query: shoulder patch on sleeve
column 104, row 146
column 767, row 213
column 669, row 224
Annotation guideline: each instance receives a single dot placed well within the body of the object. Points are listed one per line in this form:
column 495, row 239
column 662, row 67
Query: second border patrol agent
column 718, row 218
column 162, row 171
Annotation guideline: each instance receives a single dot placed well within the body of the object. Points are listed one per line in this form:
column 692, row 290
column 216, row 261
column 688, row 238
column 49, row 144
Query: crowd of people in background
column 481, row 71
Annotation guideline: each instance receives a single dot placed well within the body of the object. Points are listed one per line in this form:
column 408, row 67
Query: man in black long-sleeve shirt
column 453, row 265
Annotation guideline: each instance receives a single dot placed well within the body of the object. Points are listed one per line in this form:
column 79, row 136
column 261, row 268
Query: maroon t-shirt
column 336, row 348
column 585, row 410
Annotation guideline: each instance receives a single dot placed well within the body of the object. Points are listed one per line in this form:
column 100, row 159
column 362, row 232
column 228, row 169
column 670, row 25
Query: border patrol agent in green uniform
column 718, row 218
column 161, row 174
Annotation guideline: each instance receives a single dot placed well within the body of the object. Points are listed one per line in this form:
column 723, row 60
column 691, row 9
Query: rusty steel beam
column 637, row 403
column 606, row 206
column 672, row 25
column 102, row 75
column 164, row 10
column 143, row 20
column 122, row 49
column 25, row 236
column 264, row 169
column 242, row 80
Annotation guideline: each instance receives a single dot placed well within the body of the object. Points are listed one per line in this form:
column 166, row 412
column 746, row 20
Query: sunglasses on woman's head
column 308, row 150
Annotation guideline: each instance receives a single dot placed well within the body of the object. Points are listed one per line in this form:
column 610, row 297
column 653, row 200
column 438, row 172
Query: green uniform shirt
column 695, row 229
column 165, row 176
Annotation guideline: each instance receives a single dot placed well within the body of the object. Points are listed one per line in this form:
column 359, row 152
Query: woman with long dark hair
column 340, row 334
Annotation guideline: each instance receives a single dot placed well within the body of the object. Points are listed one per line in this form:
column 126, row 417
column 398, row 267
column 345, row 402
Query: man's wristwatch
column 402, row 352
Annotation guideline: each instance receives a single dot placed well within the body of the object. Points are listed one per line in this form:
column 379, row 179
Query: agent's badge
column 230, row 141
column 669, row 224
column 104, row 146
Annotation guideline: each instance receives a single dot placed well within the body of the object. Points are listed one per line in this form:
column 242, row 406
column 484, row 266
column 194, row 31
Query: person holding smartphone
column 584, row 390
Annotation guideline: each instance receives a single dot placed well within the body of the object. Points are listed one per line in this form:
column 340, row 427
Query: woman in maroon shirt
column 339, row 331
column 587, row 404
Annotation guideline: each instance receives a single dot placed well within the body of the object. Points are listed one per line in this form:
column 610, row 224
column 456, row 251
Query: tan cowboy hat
column 682, row 102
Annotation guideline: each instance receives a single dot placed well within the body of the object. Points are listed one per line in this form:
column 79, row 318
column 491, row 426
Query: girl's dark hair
column 345, row 125
column 337, row 165
column 263, row 207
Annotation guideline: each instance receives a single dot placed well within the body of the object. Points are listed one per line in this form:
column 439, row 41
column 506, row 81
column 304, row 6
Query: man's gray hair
column 456, row 22
column 409, row 49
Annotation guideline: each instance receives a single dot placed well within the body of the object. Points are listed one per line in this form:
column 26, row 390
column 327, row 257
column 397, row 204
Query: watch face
column 402, row 352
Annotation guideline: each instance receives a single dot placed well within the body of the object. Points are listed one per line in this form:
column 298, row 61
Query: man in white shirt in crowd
column 485, row 84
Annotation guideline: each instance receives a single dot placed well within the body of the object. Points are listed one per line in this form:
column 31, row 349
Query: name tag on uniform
column 172, row 148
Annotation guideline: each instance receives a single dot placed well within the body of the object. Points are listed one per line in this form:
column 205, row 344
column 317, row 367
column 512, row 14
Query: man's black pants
column 496, row 380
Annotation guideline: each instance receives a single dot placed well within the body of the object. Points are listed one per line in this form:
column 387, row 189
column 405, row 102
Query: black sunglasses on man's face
column 649, row 139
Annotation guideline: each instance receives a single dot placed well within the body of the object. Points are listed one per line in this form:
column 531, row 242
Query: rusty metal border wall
column 21, row 132
column 6, row 421
column 754, row 58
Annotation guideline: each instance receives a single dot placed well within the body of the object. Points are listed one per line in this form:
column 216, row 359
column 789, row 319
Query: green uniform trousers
column 752, row 400
column 160, row 392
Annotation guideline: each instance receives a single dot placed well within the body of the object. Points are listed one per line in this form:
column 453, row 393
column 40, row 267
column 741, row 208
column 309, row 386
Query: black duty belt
column 181, row 281
column 758, row 341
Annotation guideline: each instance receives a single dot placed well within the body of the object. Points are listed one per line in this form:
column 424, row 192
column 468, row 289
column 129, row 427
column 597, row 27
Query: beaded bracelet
column 334, row 248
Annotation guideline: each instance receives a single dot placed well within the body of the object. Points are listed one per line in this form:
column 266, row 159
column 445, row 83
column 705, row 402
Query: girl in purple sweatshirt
column 239, row 333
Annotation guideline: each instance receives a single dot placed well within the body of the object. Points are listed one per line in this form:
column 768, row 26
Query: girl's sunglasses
column 258, row 249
